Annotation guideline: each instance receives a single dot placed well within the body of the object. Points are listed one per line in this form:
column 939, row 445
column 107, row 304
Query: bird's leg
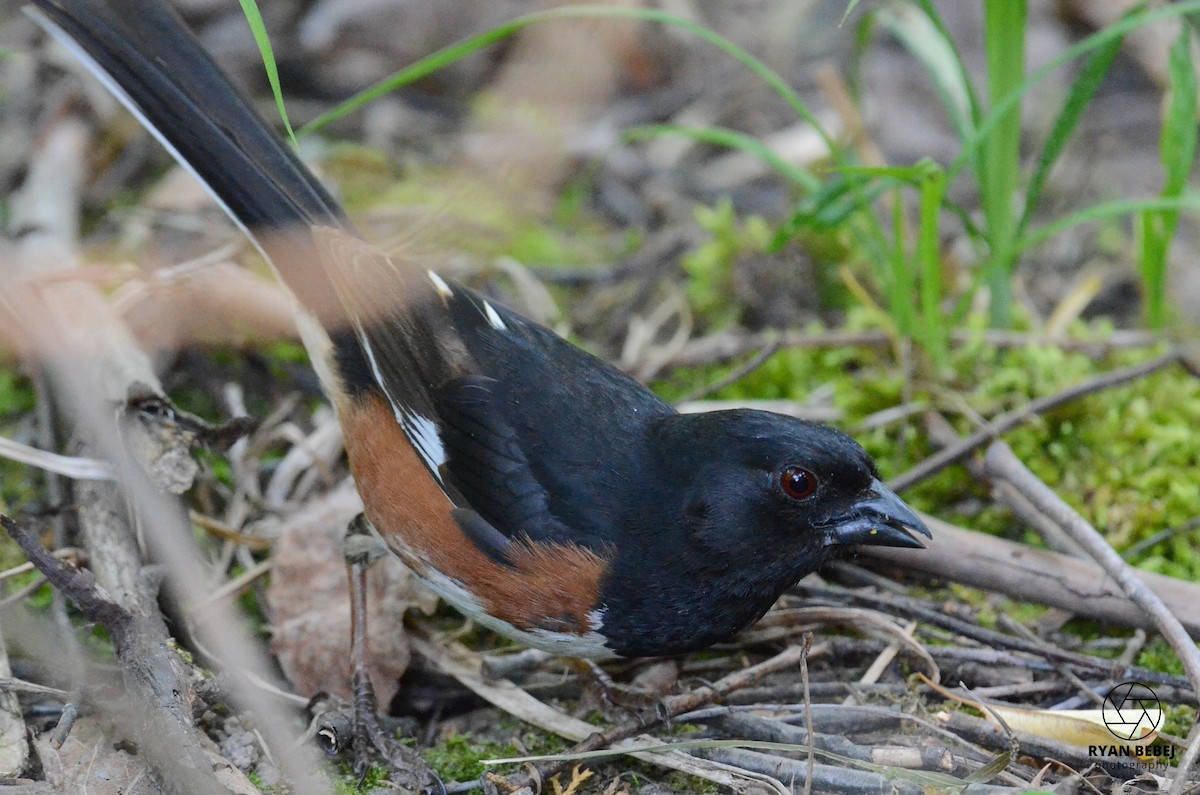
column 627, row 699
column 362, row 548
column 600, row 678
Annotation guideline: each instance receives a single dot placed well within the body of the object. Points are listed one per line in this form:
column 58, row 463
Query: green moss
column 458, row 758
column 16, row 394
column 271, row 789
column 362, row 174
column 218, row 465
column 543, row 743
column 40, row 599
column 1158, row 656
column 1178, row 719
column 196, row 401
column 348, row 783
column 252, row 609
column 10, row 556
column 990, row 609
column 710, row 266
column 641, row 773
column 281, row 357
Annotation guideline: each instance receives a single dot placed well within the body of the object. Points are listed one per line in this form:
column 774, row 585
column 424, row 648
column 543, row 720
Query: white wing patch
column 421, row 431
column 425, row 437
column 493, row 317
column 440, row 285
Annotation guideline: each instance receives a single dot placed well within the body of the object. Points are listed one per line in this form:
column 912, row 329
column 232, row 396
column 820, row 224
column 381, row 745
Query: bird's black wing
column 582, row 425
column 539, row 438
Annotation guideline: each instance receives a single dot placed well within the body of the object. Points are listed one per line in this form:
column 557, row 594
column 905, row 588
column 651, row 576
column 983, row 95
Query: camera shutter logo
column 1132, row 711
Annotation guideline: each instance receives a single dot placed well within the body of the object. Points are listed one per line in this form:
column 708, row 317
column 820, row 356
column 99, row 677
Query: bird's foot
column 623, row 700
column 406, row 768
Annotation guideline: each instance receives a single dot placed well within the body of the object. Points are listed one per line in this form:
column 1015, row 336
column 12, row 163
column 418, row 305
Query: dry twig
column 1001, row 464
column 1184, row 772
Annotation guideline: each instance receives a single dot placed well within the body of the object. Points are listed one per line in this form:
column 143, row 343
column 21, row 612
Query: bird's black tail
column 144, row 52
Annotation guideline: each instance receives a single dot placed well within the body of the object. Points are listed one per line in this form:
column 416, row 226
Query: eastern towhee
column 539, row 490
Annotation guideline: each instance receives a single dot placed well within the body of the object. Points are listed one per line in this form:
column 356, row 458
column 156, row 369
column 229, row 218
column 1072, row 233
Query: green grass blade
column 1092, row 42
column 898, row 283
column 1097, row 41
column 830, row 207
column 1151, row 239
column 919, row 32
column 1178, row 144
column 972, row 97
column 731, row 139
column 929, row 262
column 259, row 29
column 1188, row 200
column 1000, row 161
column 455, row 52
column 975, row 234
column 1177, row 151
column 1078, row 98
column 849, row 10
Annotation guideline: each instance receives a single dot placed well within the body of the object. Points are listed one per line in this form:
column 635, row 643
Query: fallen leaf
column 309, row 601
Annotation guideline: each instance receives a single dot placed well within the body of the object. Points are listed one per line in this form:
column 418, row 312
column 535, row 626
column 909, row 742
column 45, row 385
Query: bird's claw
column 406, row 768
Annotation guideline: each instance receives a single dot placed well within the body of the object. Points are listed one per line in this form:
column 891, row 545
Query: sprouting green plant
column 853, row 202
column 999, row 163
column 909, row 275
column 1177, row 151
column 990, row 141
column 263, row 40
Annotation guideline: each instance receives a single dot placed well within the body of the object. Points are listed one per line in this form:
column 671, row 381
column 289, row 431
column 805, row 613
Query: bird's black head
column 757, row 480
column 742, row 505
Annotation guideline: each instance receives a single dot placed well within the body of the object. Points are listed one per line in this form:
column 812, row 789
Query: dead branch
column 685, row 702
column 1001, row 464
column 1184, row 772
column 942, row 434
column 14, row 750
column 758, row 360
column 895, row 604
column 826, row 778
column 156, row 678
column 1040, row 576
column 751, row 727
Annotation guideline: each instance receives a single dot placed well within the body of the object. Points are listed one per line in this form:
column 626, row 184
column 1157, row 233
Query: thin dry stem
column 1002, row 464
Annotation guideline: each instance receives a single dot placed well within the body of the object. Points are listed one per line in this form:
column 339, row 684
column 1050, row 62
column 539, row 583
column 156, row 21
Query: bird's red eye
column 797, row 483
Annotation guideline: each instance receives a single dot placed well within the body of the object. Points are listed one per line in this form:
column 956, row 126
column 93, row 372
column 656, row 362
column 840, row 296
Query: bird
column 541, row 491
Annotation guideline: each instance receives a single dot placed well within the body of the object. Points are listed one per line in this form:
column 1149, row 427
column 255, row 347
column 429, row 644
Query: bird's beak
column 882, row 519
